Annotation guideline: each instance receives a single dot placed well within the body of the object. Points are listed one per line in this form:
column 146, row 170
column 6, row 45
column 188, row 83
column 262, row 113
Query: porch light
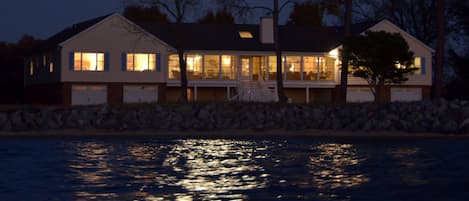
column 334, row 53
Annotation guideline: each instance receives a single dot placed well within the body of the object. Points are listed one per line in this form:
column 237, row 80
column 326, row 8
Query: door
column 140, row 94
column 253, row 67
column 89, row 95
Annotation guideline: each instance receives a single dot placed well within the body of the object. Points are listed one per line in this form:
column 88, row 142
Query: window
column 194, row 67
column 245, row 34
column 51, row 67
column 44, row 60
column 417, row 64
column 228, row 67
column 293, row 70
column 86, row 61
column 174, row 71
column 212, row 67
column 273, row 67
column 310, row 68
column 31, row 68
column 141, row 62
column 326, row 68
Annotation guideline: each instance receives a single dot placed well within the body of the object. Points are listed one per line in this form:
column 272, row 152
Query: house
column 113, row 60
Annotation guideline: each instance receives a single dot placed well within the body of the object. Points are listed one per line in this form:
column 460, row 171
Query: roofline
column 105, row 20
column 405, row 32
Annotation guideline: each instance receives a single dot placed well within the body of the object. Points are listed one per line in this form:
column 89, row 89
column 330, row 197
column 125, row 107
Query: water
column 224, row 169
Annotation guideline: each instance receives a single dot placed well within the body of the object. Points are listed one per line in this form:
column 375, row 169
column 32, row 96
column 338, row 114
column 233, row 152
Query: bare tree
column 245, row 7
column 345, row 52
column 440, row 49
column 178, row 10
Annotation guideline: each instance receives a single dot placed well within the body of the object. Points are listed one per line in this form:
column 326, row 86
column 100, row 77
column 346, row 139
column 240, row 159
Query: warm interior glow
column 226, row 60
column 51, row 67
column 31, row 68
column 141, row 62
column 85, row 61
column 245, row 34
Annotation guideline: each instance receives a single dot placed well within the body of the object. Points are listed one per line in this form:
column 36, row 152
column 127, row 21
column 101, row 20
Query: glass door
column 245, row 68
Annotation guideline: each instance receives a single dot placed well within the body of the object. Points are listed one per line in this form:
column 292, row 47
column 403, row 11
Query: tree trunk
column 345, row 53
column 440, row 50
column 183, row 69
column 282, row 98
column 182, row 62
column 380, row 97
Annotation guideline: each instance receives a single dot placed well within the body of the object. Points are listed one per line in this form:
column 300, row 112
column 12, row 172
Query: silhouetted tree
column 178, row 10
column 141, row 13
column 380, row 58
column 244, row 7
column 345, row 52
column 306, row 13
column 220, row 17
column 440, row 49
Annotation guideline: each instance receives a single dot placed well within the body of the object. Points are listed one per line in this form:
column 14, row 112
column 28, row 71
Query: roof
column 67, row 33
column 226, row 36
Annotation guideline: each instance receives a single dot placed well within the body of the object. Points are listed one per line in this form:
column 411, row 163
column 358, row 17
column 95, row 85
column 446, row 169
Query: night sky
column 43, row 18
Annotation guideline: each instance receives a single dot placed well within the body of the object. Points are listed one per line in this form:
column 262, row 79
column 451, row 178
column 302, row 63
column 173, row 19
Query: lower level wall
column 61, row 93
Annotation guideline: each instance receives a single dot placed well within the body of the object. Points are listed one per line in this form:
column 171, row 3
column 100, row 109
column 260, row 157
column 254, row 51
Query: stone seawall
column 433, row 117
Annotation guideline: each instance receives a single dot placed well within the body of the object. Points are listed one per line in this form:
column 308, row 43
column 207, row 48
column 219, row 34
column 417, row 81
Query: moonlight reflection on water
column 227, row 169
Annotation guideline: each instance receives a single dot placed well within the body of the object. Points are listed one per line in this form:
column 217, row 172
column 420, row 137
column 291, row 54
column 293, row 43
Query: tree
column 440, row 49
column 417, row 17
column 380, row 58
column 178, row 10
column 220, row 17
column 345, row 52
column 313, row 12
column 306, row 13
column 141, row 13
column 243, row 7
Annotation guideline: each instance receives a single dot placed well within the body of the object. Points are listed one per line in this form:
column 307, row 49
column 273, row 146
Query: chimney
column 267, row 30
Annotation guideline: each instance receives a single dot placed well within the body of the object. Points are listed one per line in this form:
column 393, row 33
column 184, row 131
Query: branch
column 285, row 4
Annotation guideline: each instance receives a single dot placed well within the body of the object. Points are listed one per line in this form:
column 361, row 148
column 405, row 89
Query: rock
column 3, row 119
column 464, row 127
column 17, row 122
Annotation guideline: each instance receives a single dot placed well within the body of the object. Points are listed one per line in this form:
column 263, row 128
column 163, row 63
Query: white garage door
column 89, row 95
column 359, row 95
column 140, row 94
column 406, row 94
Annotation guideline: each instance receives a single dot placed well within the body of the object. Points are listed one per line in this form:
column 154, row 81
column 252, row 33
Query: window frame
column 81, row 61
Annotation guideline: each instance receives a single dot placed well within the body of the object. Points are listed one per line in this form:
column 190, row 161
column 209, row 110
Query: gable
column 114, row 32
column 414, row 43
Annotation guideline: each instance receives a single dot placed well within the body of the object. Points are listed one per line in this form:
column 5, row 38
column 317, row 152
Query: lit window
column 194, row 67
column 141, row 62
column 293, row 70
column 245, row 34
column 417, row 64
column 51, row 67
column 310, row 68
column 85, row 61
column 212, row 67
column 31, row 68
column 273, row 67
column 228, row 67
column 44, row 60
column 326, row 68
column 174, row 71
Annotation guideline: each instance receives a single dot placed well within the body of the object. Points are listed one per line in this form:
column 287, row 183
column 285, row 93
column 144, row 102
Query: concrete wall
column 114, row 35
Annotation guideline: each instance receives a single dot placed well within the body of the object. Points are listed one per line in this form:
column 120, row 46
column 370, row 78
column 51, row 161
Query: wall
column 114, row 35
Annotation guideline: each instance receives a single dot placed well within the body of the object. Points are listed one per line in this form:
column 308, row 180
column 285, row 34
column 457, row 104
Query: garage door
column 89, row 95
column 359, row 95
column 140, row 94
column 406, row 94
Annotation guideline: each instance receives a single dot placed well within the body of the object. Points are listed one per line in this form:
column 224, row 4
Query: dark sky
column 42, row 18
